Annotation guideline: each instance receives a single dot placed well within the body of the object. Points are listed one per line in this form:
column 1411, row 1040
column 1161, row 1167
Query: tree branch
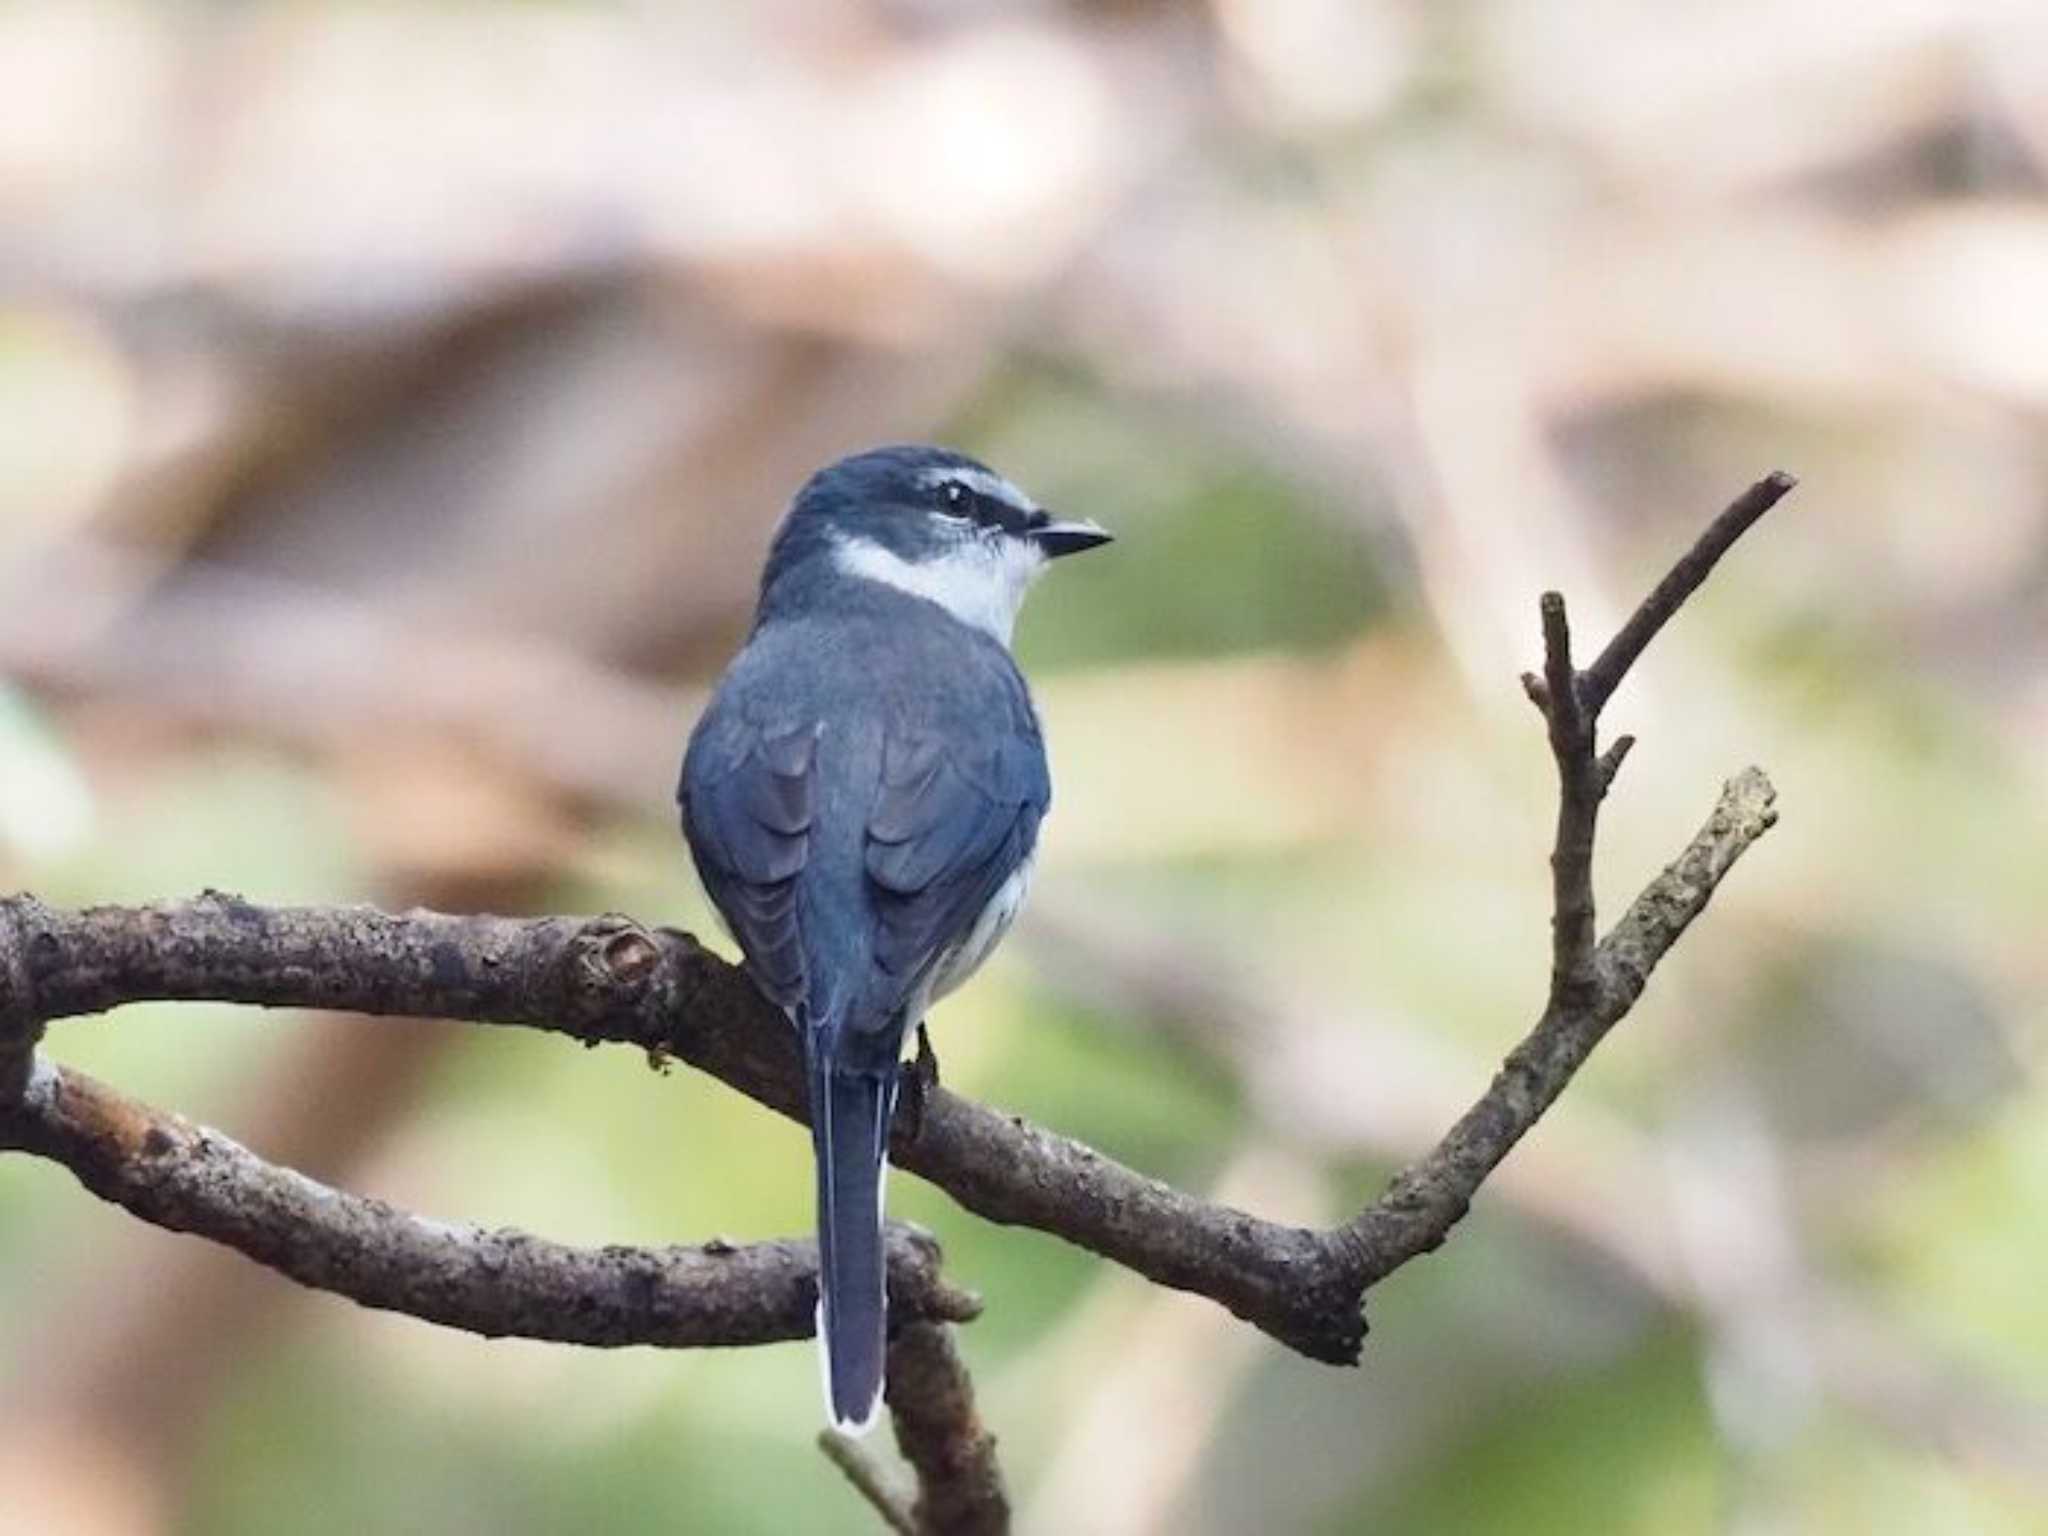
column 939, row 1431
column 187, row 1178
column 1579, row 792
column 1591, row 986
column 21, row 1025
column 608, row 978
column 1428, row 1197
column 1680, row 582
column 871, row 1480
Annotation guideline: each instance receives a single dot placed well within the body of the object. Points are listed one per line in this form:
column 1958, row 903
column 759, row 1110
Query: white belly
column 966, row 957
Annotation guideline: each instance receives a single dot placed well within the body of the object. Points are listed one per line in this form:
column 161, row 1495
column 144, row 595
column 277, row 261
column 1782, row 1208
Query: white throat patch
column 980, row 581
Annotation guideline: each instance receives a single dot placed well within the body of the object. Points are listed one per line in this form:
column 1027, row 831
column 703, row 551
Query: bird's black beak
column 1055, row 538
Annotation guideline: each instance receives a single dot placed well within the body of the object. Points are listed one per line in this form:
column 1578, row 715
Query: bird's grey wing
column 749, row 796
column 952, row 821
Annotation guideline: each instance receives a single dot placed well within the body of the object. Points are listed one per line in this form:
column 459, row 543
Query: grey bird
column 862, row 799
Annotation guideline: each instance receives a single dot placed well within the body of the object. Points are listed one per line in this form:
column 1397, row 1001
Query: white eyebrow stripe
column 985, row 481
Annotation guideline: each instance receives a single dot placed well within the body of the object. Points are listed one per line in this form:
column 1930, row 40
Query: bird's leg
column 915, row 1079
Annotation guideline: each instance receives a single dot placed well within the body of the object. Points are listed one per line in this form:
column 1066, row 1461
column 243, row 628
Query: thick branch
column 185, row 1177
column 607, row 978
column 21, row 1024
column 939, row 1431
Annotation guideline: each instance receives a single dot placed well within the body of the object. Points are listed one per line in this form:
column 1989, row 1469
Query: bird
column 862, row 798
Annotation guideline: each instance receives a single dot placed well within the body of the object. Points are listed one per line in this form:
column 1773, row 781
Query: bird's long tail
column 850, row 1109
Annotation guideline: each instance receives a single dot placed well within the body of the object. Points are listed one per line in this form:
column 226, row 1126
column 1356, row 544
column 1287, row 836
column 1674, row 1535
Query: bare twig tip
column 870, row 1480
column 1753, row 798
column 1679, row 584
column 1612, row 759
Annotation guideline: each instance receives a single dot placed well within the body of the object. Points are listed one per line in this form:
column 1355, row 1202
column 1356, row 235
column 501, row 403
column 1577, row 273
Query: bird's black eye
column 955, row 496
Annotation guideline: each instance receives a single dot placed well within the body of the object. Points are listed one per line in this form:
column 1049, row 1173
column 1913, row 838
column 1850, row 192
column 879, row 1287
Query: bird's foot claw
column 915, row 1080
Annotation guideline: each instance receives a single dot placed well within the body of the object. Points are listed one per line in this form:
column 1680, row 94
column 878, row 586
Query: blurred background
column 395, row 400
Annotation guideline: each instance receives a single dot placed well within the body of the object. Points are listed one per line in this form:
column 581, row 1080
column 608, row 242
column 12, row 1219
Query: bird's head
column 927, row 521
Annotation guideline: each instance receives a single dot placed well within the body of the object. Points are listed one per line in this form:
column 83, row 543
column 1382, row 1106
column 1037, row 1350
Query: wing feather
column 948, row 828
column 748, row 801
